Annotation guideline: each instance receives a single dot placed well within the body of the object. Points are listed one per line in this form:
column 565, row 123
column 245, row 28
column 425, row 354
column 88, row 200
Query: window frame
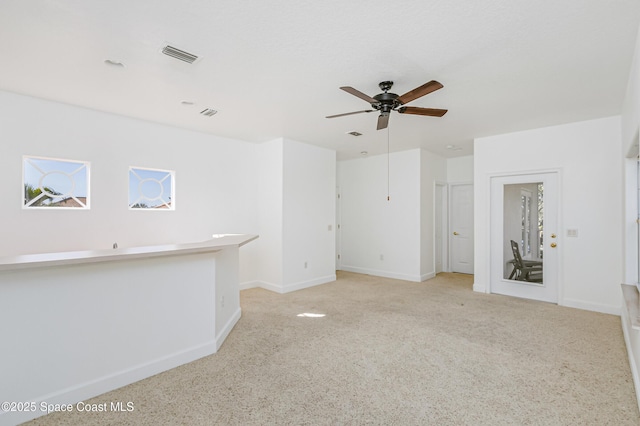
column 170, row 203
column 86, row 165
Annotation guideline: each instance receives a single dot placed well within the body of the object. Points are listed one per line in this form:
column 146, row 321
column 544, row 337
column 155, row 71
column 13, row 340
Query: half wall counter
column 75, row 325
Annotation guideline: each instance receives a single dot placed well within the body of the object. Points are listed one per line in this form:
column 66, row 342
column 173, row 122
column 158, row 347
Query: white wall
column 296, row 209
column 282, row 190
column 309, row 215
column 433, row 168
column 389, row 238
column 216, row 183
column 460, row 169
column 270, row 211
column 372, row 227
column 587, row 155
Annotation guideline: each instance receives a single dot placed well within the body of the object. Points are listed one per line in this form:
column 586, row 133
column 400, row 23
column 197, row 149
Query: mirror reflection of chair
column 524, row 270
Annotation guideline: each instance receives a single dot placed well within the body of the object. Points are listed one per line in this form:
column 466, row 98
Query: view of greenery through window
column 50, row 182
column 55, row 183
column 150, row 189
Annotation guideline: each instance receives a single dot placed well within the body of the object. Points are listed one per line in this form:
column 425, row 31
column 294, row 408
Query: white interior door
column 461, row 228
column 524, row 209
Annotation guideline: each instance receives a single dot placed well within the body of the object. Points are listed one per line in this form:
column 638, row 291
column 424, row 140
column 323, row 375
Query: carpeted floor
column 390, row 352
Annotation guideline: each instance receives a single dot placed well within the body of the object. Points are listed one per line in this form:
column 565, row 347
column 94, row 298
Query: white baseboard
column 249, row 284
column 479, row 288
column 428, row 276
column 385, row 274
column 306, row 284
column 590, row 306
column 626, row 330
column 220, row 338
column 293, row 287
column 267, row 286
column 101, row 385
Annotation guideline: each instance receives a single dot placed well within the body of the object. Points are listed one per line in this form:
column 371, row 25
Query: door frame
column 559, row 225
column 337, row 231
column 443, row 189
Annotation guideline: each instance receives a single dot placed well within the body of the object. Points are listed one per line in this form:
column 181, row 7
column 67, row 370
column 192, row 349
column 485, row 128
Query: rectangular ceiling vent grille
column 208, row 112
column 179, row 54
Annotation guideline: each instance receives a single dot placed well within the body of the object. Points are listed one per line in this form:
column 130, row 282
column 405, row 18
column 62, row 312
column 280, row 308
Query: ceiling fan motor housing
column 386, row 102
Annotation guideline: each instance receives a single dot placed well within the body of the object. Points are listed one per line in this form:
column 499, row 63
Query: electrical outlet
column 305, row 265
column 382, row 257
column 222, row 302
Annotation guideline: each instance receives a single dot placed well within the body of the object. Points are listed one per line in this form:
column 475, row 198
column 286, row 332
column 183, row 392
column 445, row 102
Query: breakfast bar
column 78, row 324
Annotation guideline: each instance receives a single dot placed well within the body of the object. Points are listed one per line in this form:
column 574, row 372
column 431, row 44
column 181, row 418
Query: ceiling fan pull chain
column 388, row 172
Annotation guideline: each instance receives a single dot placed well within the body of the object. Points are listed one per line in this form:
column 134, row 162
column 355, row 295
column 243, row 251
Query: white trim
column 101, row 385
column 590, row 306
column 626, row 324
column 220, row 338
column 290, row 287
column 444, row 188
column 385, row 274
column 306, row 284
column 249, row 284
column 427, row 276
column 479, row 288
column 559, row 225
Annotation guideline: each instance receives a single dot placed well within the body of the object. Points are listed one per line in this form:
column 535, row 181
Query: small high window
column 151, row 189
column 55, row 183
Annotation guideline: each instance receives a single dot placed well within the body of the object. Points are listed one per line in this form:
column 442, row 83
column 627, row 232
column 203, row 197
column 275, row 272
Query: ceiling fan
column 387, row 102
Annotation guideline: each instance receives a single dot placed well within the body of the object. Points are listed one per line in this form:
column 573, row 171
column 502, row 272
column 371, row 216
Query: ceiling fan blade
column 359, row 94
column 431, row 112
column 425, row 89
column 349, row 113
column 383, row 121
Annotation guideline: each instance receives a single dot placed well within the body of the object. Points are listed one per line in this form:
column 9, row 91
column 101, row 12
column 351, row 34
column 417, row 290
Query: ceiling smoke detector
column 180, row 54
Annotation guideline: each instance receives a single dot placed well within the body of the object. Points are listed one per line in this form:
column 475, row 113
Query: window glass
column 55, row 183
column 151, row 189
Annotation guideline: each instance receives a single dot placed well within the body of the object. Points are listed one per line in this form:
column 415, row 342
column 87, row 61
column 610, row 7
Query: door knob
column 553, row 245
column 455, row 233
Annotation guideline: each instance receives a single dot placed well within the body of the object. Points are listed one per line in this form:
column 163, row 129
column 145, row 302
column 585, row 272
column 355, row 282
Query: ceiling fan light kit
column 386, row 102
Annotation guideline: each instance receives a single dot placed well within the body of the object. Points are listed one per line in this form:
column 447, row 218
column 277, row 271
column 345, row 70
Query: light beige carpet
column 391, row 352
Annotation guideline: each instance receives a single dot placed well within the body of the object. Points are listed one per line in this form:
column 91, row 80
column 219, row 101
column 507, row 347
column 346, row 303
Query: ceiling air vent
column 208, row 112
column 174, row 52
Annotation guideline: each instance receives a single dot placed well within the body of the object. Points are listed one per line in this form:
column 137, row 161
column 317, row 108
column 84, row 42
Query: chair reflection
column 524, row 270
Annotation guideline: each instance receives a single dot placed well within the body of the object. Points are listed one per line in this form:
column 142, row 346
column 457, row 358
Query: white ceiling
column 273, row 68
